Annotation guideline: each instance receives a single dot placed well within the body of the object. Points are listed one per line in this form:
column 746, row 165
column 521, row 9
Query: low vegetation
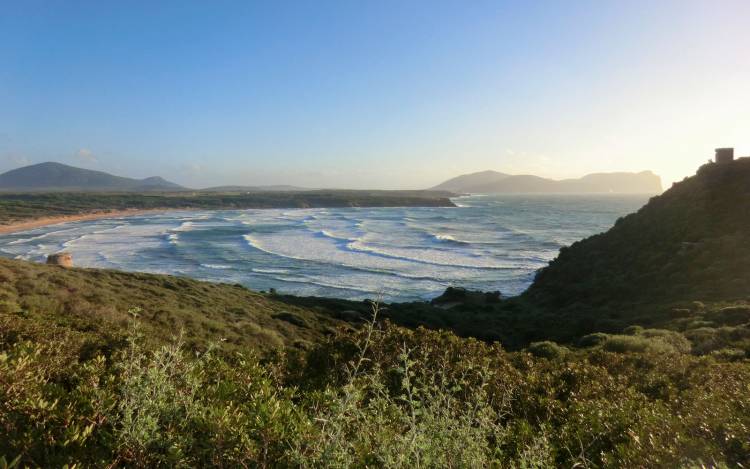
column 105, row 368
column 99, row 300
column 28, row 206
column 381, row 396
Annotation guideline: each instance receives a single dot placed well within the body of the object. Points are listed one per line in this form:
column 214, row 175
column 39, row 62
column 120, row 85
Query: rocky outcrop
column 63, row 259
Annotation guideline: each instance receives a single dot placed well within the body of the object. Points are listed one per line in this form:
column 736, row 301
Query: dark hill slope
column 690, row 243
column 60, row 177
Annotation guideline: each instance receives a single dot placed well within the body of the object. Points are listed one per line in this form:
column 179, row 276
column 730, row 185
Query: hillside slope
column 492, row 182
column 99, row 300
column 690, row 243
column 60, row 177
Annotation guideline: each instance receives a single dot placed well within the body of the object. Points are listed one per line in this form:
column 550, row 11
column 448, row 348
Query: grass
column 100, row 300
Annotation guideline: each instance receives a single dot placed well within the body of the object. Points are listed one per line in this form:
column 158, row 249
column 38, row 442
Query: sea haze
column 486, row 243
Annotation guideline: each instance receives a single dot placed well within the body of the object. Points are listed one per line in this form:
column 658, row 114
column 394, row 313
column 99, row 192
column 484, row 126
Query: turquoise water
column 486, row 243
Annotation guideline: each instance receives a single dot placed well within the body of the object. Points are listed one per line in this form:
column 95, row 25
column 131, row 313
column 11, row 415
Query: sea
column 486, row 242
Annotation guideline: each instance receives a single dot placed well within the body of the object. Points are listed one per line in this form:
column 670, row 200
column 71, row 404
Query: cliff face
column 644, row 182
column 690, row 243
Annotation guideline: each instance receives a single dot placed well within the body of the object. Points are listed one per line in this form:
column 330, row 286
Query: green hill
column 101, row 302
column 50, row 176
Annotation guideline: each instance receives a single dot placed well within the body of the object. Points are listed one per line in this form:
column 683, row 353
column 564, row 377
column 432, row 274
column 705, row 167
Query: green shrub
column 732, row 315
column 592, row 340
column 292, row 318
column 729, row 354
column 547, row 349
column 637, row 344
column 674, row 339
column 698, row 323
column 632, row 330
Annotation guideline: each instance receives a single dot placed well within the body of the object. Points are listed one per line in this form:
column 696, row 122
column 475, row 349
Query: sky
column 372, row 94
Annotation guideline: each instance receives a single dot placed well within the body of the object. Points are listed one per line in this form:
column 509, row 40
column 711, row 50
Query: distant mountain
column 52, row 177
column 493, row 182
column 460, row 183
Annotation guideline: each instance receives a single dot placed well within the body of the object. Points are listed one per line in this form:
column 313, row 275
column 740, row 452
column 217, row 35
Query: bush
column 704, row 339
column 632, row 330
column 292, row 318
column 547, row 349
column 729, row 354
column 731, row 316
column 637, row 344
column 626, row 344
column 592, row 340
column 674, row 339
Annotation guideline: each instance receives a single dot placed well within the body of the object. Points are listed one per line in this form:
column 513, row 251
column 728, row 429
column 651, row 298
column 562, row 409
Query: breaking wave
column 410, row 253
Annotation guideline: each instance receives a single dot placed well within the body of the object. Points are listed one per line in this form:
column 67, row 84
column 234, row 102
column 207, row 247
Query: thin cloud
column 192, row 169
column 19, row 160
column 14, row 160
column 85, row 155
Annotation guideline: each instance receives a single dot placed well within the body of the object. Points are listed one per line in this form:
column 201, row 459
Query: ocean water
column 401, row 254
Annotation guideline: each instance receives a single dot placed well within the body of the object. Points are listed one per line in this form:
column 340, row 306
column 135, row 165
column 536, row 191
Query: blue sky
column 391, row 94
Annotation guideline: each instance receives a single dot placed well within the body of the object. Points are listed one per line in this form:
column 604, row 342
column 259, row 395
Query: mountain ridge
column 52, row 176
column 493, row 182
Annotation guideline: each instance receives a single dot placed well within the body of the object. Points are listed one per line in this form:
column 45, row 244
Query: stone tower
column 724, row 155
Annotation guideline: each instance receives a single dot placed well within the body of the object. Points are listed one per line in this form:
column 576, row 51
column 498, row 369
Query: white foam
column 184, row 226
column 28, row 240
column 445, row 237
column 403, row 251
column 269, row 271
column 216, row 266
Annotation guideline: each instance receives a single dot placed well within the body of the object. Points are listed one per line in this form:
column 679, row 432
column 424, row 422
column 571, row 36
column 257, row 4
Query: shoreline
column 27, row 225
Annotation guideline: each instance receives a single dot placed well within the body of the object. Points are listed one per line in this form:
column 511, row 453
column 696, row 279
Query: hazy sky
column 391, row 94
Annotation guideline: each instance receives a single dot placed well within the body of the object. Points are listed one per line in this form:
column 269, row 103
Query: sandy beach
column 26, row 225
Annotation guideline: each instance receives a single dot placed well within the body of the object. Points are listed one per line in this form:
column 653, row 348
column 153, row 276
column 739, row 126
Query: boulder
column 63, row 259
